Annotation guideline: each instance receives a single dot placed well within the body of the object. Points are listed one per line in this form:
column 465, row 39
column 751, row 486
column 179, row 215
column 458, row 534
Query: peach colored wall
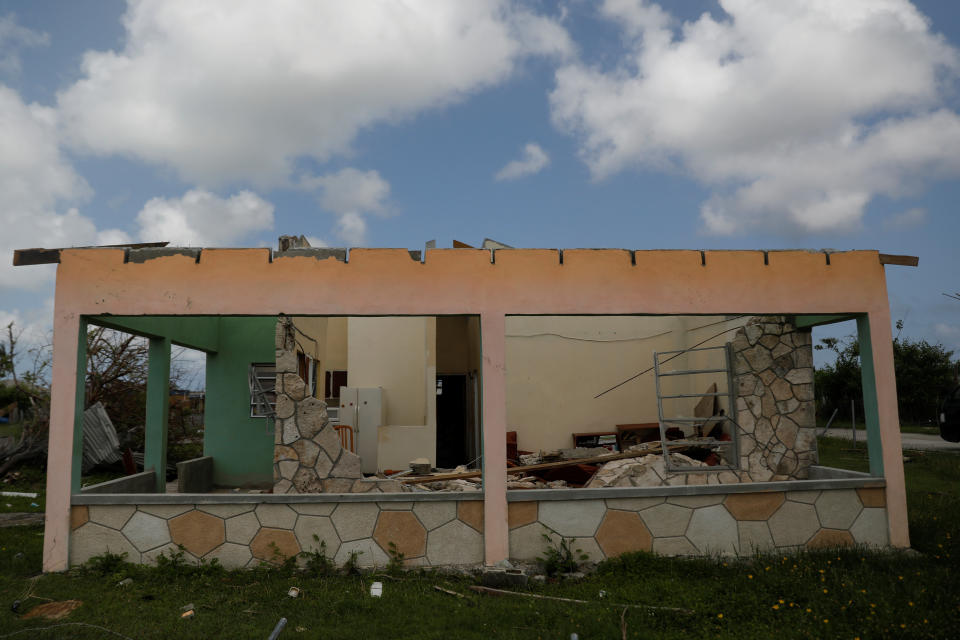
column 463, row 281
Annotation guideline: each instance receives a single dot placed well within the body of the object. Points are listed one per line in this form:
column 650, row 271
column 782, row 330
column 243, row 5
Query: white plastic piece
column 376, row 589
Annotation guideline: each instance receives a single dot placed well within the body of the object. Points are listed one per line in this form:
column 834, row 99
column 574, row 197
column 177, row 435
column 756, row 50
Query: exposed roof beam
column 26, row 257
column 903, row 261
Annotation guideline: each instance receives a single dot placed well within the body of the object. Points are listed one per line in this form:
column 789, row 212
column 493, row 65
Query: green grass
column 846, row 594
column 927, row 429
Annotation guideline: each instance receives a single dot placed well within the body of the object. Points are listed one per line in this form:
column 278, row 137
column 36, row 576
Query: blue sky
column 695, row 124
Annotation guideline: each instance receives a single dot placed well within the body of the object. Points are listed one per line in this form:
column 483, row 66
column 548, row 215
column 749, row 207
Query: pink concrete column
column 881, row 340
column 495, row 532
column 63, row 401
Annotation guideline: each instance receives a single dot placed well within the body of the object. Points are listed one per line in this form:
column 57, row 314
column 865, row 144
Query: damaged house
column 462, row 403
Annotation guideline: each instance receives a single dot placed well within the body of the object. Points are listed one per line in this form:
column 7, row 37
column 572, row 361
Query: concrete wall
column 398, row 354
column 241, row 446
column 374, row 282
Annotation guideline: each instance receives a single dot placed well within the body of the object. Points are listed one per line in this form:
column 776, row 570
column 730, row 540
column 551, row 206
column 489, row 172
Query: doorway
column 451, row 420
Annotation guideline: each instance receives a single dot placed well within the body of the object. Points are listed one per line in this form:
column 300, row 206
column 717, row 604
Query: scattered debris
column 100, row 443
column 53, row 610
column 126, row 582
column 188, row 611
column 448, row 591
column 502, row 592
column 376, row 589
column 281, row 623
column 500, row 577
column 294, row 592
column 17, row 494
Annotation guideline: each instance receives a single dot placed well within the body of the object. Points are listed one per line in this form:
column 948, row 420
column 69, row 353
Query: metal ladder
column 729, row 448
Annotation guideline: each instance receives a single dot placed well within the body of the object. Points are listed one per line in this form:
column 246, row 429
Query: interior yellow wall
column 399, row 355
column 336, row 345
column 557, row 364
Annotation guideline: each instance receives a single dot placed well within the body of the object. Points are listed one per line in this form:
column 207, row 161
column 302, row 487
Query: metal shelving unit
column 728, row 450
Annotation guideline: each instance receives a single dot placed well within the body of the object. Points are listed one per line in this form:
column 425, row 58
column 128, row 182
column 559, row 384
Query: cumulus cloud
column 240, row 89
column 351, row 194
column 906, row 219
column 36, row 183
column 533, row 160
column 203, row 219
column 796, row 114
column 13, row 38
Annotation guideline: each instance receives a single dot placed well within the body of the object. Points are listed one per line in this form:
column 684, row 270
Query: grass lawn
column 840, row 594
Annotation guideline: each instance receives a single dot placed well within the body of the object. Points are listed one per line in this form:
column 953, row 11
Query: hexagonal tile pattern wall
column 145, row 531
column 622, row 531
column 572, row 518
column 713, row 530
column 403, row 530
column 471, row 512
column 241, row 528
column 527, row 542
column 838, row 509
column 355, row 520
column 197, row 531
column 871, row 528
column 277, row 516
column 274, row 545
column 754, row 506
column 434, row 514
column 666, row 520
column 320, row 526
column 793, row 524
column 520, row 514
column 454, row 543
column 826, row 538
column 93, row 539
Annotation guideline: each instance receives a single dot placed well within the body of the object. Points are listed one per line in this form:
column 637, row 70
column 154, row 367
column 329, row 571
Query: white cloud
column 36, row 180
column 350, row 194
column 949, row 336
column 795, row 113
column 14, row 37
column 203, row 219
column 532, row 160
column 238, row 90
column 906, row 219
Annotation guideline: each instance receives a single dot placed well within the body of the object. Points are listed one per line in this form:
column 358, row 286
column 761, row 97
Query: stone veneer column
column 307, row 454
column 773, row 378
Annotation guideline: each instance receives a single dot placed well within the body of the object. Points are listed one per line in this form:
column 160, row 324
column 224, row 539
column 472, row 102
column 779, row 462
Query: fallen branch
column 448, row 591
column 543, row 465
column 503, row 592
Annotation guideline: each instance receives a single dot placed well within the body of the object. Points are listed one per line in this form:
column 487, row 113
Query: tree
column 924, row 373
column 116, row 376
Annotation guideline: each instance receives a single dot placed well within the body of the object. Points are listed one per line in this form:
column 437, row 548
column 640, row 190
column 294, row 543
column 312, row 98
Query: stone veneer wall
column 307, row 454
column 729, row 524
column 773, row 377
column 441, row 533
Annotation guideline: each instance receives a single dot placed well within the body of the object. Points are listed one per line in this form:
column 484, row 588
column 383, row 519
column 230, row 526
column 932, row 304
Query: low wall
column 243, row 531
column 442, row 529
column 702, row 523
column 143, row 482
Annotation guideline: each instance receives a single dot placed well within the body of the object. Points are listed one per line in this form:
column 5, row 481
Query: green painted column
column 158, row 410
column 80, row 399
column 870, row 409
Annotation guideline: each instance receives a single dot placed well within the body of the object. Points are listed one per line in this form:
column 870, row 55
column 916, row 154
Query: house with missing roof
column 329, row 371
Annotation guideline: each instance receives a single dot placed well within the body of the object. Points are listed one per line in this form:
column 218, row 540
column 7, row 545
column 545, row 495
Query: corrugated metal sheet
column 100, row 442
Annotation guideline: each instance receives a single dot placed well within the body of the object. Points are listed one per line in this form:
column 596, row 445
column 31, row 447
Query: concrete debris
column 645, row 471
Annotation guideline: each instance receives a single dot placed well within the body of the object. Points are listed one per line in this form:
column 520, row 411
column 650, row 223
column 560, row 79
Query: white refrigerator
column 363, row 409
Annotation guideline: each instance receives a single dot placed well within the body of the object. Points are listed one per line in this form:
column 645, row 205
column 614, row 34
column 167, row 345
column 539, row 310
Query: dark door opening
column 451, row 420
